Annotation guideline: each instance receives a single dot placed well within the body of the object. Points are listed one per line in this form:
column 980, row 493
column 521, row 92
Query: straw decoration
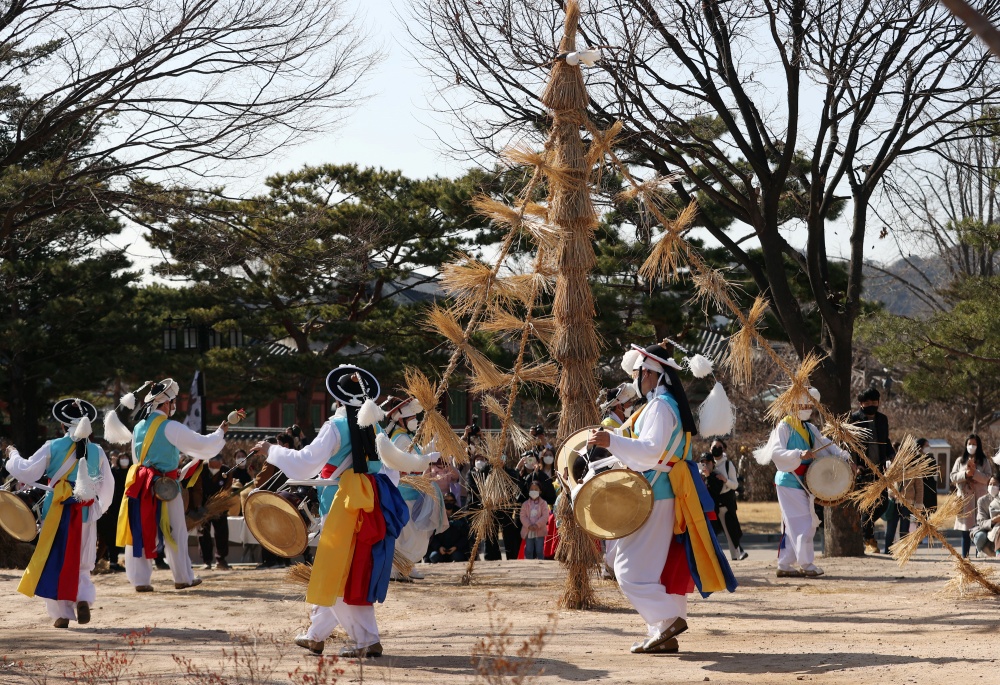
column 217, row 505
column 299, row 574
column 971, row 582
column 445, row 323
column 582, row 557
column 468, row 281
column 712, row 288
column 522, row 155
column 421, row 484
column 668, row 254
column 401, row 563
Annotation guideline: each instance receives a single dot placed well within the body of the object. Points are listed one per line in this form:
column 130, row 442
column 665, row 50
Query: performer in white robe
column 84, row 467
column 329, row 456
column 157, row 443
column 793, row 445
column 659, row 437
column 427, row 512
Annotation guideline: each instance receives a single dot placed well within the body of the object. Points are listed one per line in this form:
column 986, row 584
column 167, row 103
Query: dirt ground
column 866, row 621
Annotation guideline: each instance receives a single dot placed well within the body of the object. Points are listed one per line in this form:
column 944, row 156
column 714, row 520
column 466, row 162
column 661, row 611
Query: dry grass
column 496, row 656
column 740, row 359
column 217, row 505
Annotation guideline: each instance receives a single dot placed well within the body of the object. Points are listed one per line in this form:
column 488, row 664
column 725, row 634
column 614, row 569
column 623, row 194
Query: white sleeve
column 195, row 445
column 643, row 452
column 29, row 470
column 732, row 481
column 785, row 459
column 822, row 445
column 105, row 484
column 308, row 461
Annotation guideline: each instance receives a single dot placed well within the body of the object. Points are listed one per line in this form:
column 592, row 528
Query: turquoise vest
column 409, row 493
column 163, row 455
column 661, row 484
column 58, row 449
column 795, row 442
column 326, row 493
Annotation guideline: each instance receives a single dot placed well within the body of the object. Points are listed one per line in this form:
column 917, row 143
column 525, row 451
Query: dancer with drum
column 80, row 488
column 651, row 563
column 350, row 570
column 795, row 442
column 427, row 512
column 152, row 512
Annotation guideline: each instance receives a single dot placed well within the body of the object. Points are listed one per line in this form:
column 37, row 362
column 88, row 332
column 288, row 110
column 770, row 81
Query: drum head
column 17, row 518
column 569, row 451
column 276, row 523
column 613, row 504
column 830, row 479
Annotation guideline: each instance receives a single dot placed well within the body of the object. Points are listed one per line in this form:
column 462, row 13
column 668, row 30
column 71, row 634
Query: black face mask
column 716, row 451
column 870, row 411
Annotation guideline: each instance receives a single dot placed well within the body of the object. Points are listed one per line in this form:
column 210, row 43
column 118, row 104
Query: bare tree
column 781, row 113
column 142, row 89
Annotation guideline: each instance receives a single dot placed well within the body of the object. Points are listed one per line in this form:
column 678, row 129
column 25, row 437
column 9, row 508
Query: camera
column 296, row 431
column 474, row 429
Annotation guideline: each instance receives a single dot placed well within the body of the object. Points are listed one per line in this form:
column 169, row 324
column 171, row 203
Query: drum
column 166, row 488
column 276, row 520
column 20, row 513
column 569, row 452
column 830, row 479
column 614, row 504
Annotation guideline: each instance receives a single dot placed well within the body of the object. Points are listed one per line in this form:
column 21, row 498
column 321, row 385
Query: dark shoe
column 370, row 652
column 61, row 623
column 162, row 565
column 314, row 646
column 143, row 588
column 184, row 586
column 82, row 613
column 206, row 567
column 741, row 555
column 222, row 564
column 790, row 573
column 117, row 568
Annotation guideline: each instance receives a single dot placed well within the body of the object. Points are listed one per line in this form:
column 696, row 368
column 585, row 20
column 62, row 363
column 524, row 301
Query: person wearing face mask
column 879, row 451
column 618, row 406
column 988, row 520
column 427, row 511
column 725, row 473
column 656, row 442
column 971, row 475
column 212, row 480
column 108, row 523
column 451, row 543
column 534, row 520
column 157, row 442
column 930, row 480
column 898, row 513
column 793, row 445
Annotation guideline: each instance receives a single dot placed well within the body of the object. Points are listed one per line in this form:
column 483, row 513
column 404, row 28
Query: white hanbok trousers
column 85, row 591
column 412, row 543
column 358, row 621
column 796, row 545
column 639, row 562
column 139, row 570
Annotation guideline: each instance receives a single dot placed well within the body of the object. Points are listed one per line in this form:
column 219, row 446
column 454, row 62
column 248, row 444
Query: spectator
column 971, row 476
column 213, row 481
column 444, row 475
column 930, row 481
column 510, row 528
column 898, row 514
column 451, row 544
column 707, row 462
column 725, row 472
column 878, row 449
column 534, row 521
column 526, row 465
column 241, row 472
column 540, row 441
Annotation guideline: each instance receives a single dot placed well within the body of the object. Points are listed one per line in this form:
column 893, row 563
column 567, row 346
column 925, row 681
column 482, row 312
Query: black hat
column 73, row 409
column 352, row 385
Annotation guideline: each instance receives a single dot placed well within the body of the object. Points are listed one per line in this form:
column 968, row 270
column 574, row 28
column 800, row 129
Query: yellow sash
column 62, row 492
column 800, row 428
column 689, row 517
column 193, row 478
column 124, row 536
column 336, row 542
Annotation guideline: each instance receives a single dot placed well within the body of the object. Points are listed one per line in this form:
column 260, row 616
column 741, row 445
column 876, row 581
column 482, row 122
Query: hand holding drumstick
column 600, row 438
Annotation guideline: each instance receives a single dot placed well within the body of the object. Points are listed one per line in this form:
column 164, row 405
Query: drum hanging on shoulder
column 613, row 504
column 20, row 513
column 277, row 521
column 830, row 479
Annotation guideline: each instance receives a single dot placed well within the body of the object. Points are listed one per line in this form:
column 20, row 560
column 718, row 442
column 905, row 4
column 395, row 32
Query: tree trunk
column 303, row 406
column 841, row 524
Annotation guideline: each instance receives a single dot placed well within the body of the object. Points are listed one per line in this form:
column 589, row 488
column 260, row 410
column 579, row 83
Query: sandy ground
column 866, row 621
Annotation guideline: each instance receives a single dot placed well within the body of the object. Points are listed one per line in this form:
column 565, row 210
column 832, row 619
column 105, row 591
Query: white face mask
column 534, row 494
column 971, row 449
column 412, row 423
column 212, row 471
column 994, row 490
column 804, row 414
column 173, row 408
column 480, row 465
column 123, row 463
column 628, row 411
column 548, row 459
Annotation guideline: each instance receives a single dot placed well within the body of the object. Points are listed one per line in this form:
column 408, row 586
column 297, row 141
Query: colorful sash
column 54, row 569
